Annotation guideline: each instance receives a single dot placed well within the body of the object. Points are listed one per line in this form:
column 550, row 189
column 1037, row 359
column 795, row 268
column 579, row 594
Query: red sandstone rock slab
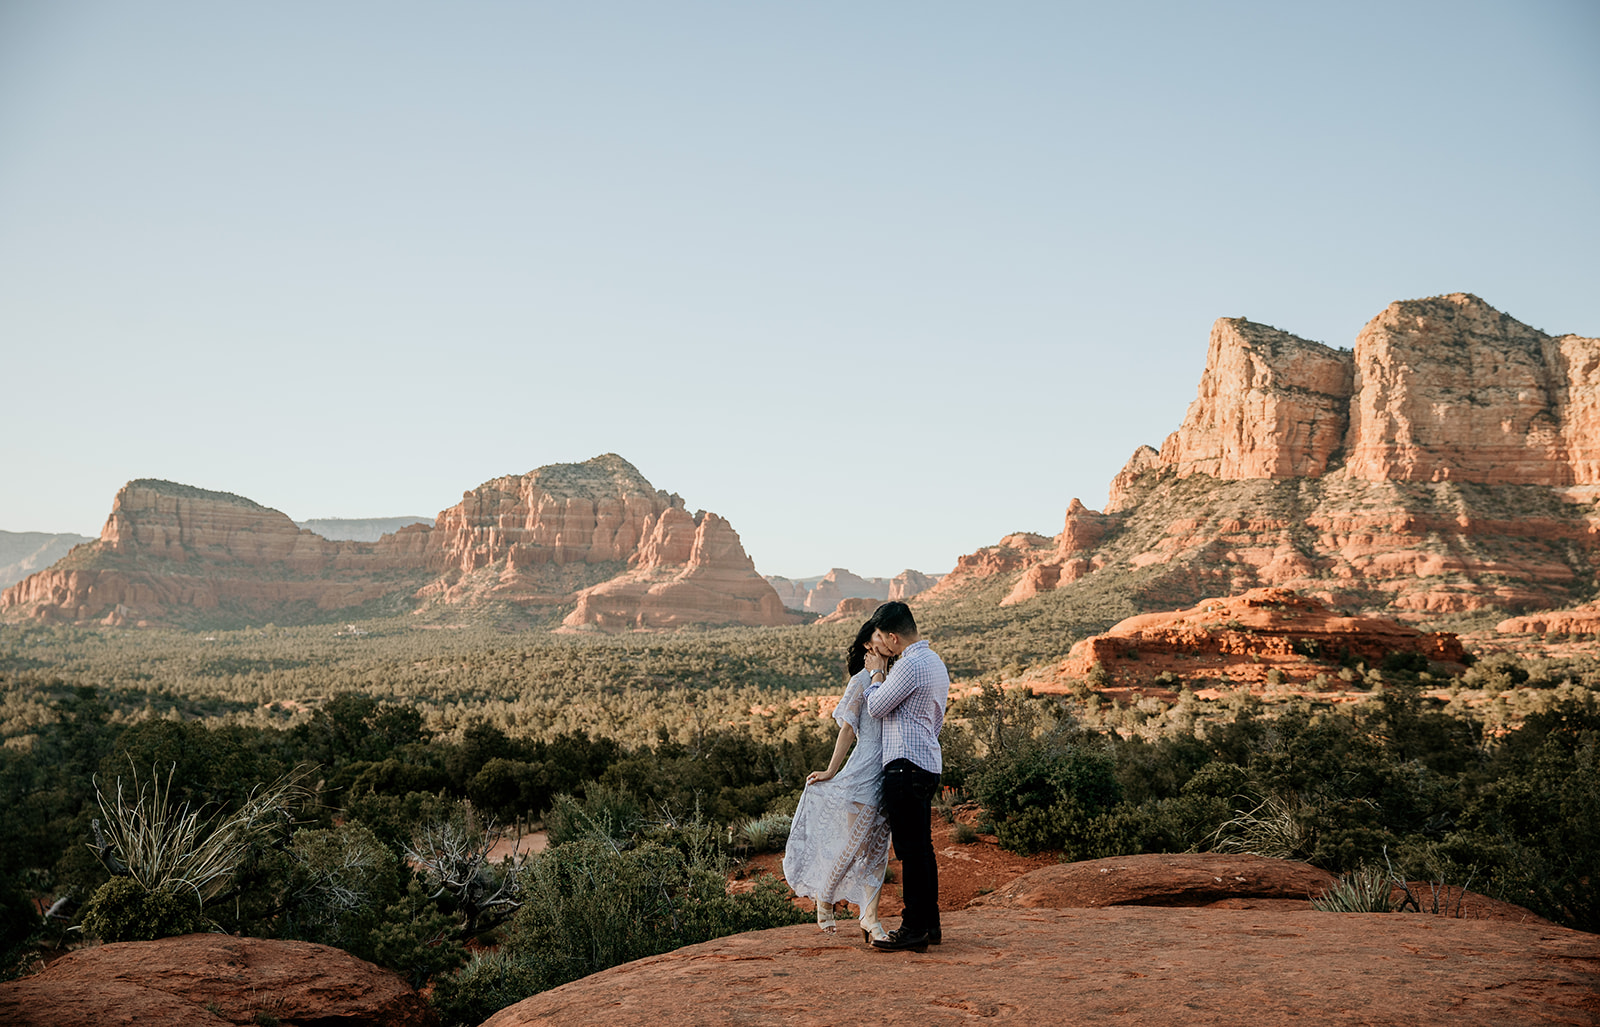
column 1244, row 637
column 203, row 979
column 1579, row 620
column 1165, row 879
column 1154, row 967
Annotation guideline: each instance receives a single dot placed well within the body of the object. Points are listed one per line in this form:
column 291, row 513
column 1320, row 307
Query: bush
column 608, row 810
column 590, row 905
column 122, row 909
column 343, row 879
column 490, row 982
column 1043, row 795
column 1366, row 889
column 768, row 833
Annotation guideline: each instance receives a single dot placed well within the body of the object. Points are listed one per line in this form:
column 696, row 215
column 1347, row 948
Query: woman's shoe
column 874, row 933
column 825, row 917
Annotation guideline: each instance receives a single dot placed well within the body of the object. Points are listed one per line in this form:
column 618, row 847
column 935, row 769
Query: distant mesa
column 825, row 593
column 359, row 529
column 23, row 552
column 1449, row 463
column 538, row 541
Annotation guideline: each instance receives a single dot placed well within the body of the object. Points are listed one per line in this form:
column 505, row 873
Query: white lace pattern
column 839, row 840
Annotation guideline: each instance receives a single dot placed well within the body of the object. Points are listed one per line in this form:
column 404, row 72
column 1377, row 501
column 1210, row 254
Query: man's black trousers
column 908, row 793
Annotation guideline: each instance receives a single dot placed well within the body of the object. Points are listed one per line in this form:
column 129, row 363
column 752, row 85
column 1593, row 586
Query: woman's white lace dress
column 839, row 841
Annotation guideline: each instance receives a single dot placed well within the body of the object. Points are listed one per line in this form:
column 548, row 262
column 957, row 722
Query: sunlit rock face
column 542, row 539
column 1447, row 463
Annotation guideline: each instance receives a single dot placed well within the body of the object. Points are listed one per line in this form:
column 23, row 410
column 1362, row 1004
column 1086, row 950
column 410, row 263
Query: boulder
column 1236, row 881
column 210, row 980
column 1160, row 967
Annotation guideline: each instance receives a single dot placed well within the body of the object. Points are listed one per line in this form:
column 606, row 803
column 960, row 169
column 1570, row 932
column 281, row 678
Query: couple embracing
column 892, row 711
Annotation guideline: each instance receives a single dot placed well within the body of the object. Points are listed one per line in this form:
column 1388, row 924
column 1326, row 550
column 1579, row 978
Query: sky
column 878, row 282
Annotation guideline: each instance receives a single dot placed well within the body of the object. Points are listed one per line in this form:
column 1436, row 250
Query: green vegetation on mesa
column 367, row 765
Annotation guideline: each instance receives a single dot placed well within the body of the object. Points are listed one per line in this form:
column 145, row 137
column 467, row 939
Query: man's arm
column 899, row 686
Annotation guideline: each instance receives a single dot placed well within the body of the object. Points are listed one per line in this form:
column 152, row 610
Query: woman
column 839, row 841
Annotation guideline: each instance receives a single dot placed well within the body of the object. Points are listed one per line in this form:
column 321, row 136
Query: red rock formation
column 688, row 571
column 537, row 539
column 1450, row 389
column 854, row 610
column 1244, row 638
column 1583, row 620
column 839, row 584
column 1271, row 405
column 1121, row 964
column 1229, row 880
column 1073, row 557
column 1015, row 552
column 211, row 979
column 1208, row 880
column 826, row 593
column 910, row 583
column 167, row 546
column 792, row 593
column 1440, row 389
column 1431, row 471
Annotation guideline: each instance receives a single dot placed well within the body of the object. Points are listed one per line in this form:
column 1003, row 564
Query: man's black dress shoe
column 935, row 935
column 902, row 939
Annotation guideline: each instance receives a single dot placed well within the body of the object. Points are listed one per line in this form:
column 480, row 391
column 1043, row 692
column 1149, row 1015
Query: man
column 909, row 700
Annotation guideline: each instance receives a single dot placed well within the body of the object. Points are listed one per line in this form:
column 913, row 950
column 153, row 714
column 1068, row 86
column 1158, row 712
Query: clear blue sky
column 878, row 282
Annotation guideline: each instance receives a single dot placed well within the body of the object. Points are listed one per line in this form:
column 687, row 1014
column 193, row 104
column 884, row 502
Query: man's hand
column 876, row 662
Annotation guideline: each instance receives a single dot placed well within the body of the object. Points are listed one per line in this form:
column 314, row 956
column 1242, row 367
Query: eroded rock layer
column 1267, row 635
column 541, row 539
column 1447, row 464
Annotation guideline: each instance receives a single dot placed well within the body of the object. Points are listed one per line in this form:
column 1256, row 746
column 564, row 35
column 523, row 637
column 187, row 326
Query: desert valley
column 1331, row 648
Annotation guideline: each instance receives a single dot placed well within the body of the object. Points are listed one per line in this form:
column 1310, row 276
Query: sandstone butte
column 596, row 535
column 1245, row 638
column 1186, row 939
column 1450, row 462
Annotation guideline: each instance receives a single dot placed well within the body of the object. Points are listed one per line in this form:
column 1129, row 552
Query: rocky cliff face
column 167, row 547
column 689, row 570
column 1440, row 389
column 539, row 539
column 1271, row 405
column 1447, row 463
column 1450, row 389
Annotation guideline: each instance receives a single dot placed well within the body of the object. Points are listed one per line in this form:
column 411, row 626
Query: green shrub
column 766, row 834
column 963, row 834
column 342, row 881
column 123, row 910
column 415, row 938
column 1043, row 795
column 19, row 923
column 590, row 905
column 489, row 982
column 1366, row 889
column 606, row 809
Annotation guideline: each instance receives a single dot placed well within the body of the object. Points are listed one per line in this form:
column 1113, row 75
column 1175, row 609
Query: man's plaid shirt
column 910, row 703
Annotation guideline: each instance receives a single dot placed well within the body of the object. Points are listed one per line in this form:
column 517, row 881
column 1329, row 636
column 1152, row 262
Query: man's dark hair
column 895, row 619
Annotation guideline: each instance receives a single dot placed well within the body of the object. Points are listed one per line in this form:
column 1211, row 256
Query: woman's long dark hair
column 856, row 657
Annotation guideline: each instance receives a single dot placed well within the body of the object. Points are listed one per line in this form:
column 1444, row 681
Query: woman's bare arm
column 841, row 749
